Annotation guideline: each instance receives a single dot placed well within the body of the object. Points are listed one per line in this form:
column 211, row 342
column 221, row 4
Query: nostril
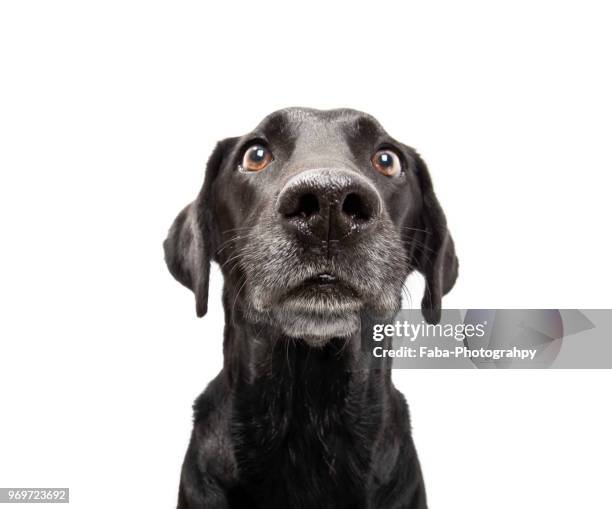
column 307, row 206
column 356, row 207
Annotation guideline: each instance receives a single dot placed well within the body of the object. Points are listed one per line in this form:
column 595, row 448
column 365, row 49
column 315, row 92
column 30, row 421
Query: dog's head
column 314, row 218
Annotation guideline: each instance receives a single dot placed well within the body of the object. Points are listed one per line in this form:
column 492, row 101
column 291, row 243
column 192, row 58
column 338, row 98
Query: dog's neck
column 256, row 350
column 260, row 358
column 295, row 405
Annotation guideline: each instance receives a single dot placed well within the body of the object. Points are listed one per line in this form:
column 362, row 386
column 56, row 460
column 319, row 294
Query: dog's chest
column 299, row 450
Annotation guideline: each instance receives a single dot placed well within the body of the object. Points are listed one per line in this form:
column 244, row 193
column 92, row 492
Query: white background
column 108, row 112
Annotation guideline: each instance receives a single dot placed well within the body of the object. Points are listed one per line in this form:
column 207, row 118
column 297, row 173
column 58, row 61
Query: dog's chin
column 318, row 319
column 318, row 313
column 317, row 329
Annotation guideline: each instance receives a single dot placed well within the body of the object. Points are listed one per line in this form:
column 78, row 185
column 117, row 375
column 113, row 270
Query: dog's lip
column 326, row 282
column 322, row 279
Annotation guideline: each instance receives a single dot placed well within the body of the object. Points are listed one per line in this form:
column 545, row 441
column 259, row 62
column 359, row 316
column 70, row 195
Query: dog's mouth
column 324, row 279
column 320, row 307
column 316, row 304
column 323, row 285
column 323, row 294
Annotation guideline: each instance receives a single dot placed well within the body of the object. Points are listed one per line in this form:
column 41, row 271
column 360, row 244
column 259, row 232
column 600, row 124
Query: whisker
column 225, row 244
column 237, row 229
column 237, row 294
column 409, row 228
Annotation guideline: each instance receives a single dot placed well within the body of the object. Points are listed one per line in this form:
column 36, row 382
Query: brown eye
column 387, row 162
column 256, row 158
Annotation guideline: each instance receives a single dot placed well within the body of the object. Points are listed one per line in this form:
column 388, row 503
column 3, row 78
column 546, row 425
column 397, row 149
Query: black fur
column 307, row 420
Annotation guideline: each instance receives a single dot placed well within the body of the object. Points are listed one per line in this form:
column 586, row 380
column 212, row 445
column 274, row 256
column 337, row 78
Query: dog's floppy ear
column 189, row 245
column 436, row 258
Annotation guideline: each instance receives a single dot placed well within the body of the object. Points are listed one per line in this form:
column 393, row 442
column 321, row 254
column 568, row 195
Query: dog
column 315, row 218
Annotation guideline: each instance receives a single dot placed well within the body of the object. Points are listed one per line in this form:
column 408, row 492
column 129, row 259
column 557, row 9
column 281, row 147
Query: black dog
column 315, row 218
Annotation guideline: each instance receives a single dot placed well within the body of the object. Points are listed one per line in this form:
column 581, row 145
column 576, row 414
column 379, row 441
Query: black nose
column 328, row 205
